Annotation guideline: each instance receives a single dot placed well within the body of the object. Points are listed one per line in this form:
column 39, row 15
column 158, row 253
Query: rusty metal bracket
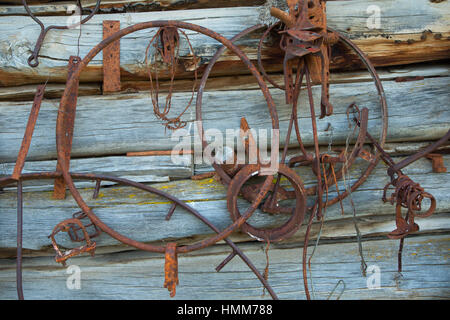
column 111, row 58
column 171, row 268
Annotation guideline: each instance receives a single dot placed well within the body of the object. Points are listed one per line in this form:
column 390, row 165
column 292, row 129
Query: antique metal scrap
column 64, row 129
column 33, row 59
column 306, row 42
column 166, row 46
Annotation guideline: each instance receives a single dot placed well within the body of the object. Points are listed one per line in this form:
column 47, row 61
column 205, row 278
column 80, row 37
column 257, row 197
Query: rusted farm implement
column 306, row 42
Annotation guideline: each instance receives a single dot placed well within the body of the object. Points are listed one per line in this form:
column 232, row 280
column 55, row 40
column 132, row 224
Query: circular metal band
column 61, row 149
column 274, row 234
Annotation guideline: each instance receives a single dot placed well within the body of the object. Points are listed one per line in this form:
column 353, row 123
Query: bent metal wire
column 33, row 59
column 64, row 127
column 306, row 41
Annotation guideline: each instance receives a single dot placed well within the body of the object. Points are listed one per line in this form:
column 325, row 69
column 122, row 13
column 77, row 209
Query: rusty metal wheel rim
column 272, row 234
column 351, row 157
column 61, row 149
column 5, row 181
column 383, row 104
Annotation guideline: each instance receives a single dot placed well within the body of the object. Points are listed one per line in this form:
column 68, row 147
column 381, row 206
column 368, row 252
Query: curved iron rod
column 95, row 177
column 33, row 58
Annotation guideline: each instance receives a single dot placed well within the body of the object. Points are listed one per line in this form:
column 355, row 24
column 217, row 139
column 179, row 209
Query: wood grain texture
column 141, row 169
column 138, row 275
column 225, row 83
column 117, row 124
column 141, row 215
column 407, row 35
column 62, row 7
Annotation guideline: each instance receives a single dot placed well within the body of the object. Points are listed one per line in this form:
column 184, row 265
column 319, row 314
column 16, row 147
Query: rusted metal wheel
column 297, row 212
column 6, row 181
column 62, row 148
column 351, row 154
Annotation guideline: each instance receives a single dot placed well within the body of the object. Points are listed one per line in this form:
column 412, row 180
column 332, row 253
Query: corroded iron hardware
column 33, row 59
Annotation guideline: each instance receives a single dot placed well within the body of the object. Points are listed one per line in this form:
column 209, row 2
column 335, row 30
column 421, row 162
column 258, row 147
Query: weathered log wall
column 401, row 40
column 110, row 126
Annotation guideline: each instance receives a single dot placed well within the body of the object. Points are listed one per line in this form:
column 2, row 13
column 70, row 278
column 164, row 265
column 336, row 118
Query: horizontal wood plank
column 244, row 82
column 117, row 124
column 141, row 215
column 407, row 35
column 138, row 275
column 61, row 7
column 141, row 169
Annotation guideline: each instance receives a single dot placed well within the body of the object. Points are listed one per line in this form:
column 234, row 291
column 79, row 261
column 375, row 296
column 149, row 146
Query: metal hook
column 33, row 58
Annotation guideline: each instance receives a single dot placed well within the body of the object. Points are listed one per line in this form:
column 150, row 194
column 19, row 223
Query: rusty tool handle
column 397, row 167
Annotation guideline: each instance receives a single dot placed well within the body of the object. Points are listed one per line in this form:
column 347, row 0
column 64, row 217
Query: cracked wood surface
column 408, row 34
column 98, row 131
column 138, row 275
column 141, row 215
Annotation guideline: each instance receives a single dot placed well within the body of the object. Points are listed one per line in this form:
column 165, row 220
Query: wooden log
column 244, row 82
column 400, row 40
column 247, row 82
column 52, row 91
column 117, row 124
column 141, row 169
column 141, row 215
column 62, row 7
column 138, row 275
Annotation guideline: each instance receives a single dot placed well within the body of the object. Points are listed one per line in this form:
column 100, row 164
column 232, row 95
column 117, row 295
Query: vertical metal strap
column 26, row 142
column 171, row 268
column 111, row 58
column 19, row 240
column 69, row 110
